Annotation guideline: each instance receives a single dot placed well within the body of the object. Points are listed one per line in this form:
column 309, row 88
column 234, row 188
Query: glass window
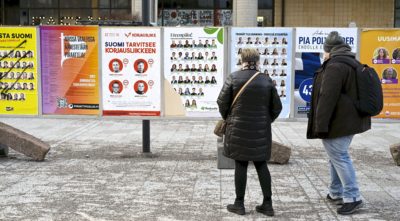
column 43, row 3
column 265, row 4
column 121, row 4
column 76, row 4
column 397, row 18
column 43, row 16
column 121, row 14
column 398, row 4
column 104, row 3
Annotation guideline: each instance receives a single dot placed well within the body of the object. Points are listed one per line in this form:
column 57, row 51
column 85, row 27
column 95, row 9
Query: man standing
column 334, row 119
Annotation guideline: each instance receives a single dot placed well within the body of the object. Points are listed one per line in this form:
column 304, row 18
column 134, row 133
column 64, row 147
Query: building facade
column 279, row 13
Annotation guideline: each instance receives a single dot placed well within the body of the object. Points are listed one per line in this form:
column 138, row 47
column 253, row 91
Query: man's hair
column 250, row 55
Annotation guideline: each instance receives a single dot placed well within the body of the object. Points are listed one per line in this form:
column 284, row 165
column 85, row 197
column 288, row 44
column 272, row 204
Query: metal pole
column 146, row 12
column 146, row 136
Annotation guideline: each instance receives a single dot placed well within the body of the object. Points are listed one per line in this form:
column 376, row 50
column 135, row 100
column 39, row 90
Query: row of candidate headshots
column 267, row 52
column 189, row 104
column 193, row 68
column 16, row 54
column 266, row 62
column 116, row 66
column 207, row 43
column 188, row 92
column 191, row 55
column 17, row 86
column 383, row 54
column 274, row 73
column 140, row 87
column 17, row 64
column 194, row 80
column 257, row 41
column 17, row 75
column 12, row 96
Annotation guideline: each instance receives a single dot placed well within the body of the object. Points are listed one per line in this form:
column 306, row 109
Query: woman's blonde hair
column 250, row 55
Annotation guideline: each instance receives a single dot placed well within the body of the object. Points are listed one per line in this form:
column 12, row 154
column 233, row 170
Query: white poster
column 309, row 57
column 131, row 61
column 275, row 48
column 194, row 66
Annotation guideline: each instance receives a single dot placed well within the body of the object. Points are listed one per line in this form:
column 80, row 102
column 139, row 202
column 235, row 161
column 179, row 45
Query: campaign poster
column 194, row 67
column 309, row 57
column 70, row 73
column 275, row 48
column 131, row 73
column 380, row 49
column 18, row 71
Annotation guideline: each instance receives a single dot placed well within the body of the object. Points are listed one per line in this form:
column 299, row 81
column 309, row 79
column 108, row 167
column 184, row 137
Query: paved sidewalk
column 94, row 172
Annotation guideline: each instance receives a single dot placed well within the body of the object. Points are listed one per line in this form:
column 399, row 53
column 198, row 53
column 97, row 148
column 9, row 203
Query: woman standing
column 248, row 132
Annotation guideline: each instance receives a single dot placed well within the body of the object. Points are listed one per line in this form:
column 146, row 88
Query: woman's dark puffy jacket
column 248, row 133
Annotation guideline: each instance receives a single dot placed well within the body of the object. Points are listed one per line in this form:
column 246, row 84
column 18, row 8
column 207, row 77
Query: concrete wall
column 245, row 13
column 335, row 13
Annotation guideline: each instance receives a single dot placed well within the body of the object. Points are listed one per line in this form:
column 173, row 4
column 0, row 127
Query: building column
column 137, row 9
column 245, row 13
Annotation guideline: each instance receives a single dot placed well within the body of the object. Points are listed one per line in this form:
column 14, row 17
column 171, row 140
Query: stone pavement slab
column 94, row 172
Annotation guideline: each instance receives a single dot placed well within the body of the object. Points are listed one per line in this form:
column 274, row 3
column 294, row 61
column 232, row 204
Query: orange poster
column 380, row 49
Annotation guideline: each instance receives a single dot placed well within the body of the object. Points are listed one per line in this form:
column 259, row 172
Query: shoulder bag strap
column 243, row 87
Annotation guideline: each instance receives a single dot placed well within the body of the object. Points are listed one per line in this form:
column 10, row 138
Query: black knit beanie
column 332, row 40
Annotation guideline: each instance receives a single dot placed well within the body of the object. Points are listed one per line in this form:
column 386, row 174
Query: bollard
column 146, row 136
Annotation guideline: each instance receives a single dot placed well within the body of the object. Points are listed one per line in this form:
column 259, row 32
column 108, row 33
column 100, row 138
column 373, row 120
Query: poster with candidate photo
column 275, row 48
column 380, row 49
column 309, row 57
column 70, row 70
column 194, row 67
column 131, row 61
column 18, row 71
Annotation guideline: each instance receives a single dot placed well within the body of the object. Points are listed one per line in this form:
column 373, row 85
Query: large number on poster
column 380, row 49
column 275, row 48
column 69, row 64
column 18, row 71
column 131, row 71
column 194, row 68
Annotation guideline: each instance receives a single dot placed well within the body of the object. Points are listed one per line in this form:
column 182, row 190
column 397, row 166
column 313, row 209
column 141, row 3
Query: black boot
column 237, row 207
column 266, row 208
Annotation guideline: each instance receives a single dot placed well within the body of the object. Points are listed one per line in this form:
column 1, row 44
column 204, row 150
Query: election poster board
column 275, row 48
column 18, row 71
column 131, row 71
column 380, row 49
column 309, row 57
column 194, row 68
column 70, row 75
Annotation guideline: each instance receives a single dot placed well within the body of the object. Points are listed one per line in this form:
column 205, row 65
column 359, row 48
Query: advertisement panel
column 131, row 61
column 275, row 48
column 194, row 67
column 309, row 57
column 380, row 49
column 69, row 64
column 18, row 71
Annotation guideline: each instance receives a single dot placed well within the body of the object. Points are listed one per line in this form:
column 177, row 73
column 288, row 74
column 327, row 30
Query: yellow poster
column 380, row 49
column 18, row 71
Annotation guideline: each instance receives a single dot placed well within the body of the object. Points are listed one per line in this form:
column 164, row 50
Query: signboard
column 194, row 67
column 18, row 71
column 309, row 57
column 380, row 49
column 69, row 63
column 275, row 48
column 131, row 61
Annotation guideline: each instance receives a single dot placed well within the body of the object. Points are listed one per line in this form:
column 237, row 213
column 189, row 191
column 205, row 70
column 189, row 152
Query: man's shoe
column 237, row 207
column 266, row 208
column 337, row 201
column 350, row 208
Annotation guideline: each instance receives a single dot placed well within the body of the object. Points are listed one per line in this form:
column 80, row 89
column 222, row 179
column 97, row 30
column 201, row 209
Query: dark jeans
column 241, row 179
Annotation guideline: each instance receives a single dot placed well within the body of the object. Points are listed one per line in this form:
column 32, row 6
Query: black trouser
column 241, row 178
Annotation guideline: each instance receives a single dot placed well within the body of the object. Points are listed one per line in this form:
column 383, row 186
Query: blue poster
column 275, row 48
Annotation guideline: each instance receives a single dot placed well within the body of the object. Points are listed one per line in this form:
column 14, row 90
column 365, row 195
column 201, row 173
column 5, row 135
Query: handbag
column 220, row 127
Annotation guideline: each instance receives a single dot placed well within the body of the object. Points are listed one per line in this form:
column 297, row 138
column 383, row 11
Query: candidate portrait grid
column 193, row 68
column 273, row 57
column 384, row 56
column 16, row 74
